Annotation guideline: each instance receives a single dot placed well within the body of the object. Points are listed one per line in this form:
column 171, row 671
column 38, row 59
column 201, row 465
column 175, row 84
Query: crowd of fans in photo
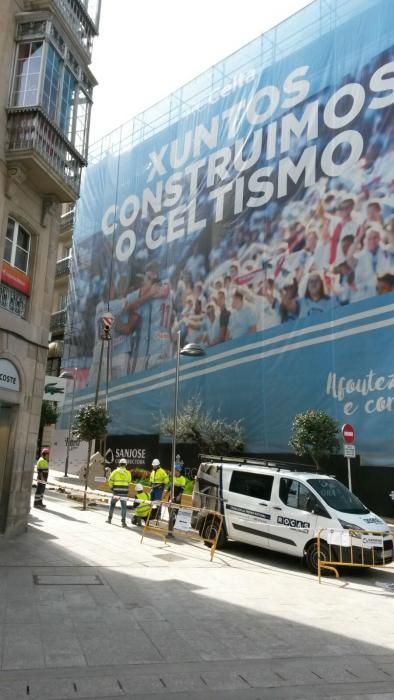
column 322, row 248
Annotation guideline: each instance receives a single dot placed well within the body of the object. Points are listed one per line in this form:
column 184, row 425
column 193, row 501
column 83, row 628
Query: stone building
column 46, row 96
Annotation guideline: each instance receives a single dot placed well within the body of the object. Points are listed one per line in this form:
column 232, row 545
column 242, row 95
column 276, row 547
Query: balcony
column 81, row 16
column 58, row 322
column 67, row 222
column 63, row 267
column 52, row 164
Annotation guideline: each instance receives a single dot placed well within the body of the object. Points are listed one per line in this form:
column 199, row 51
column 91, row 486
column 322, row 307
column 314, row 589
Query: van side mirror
column 318, row 509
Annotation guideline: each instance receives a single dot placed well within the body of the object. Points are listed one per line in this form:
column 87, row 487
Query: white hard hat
column 156, row 463
column 123, row 461
column 139, row 487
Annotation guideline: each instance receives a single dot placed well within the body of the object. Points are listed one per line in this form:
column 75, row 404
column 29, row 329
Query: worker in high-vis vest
column 142, row 505
column 159, row 480
column 179, row 487
column 119, row 481
column 42, row 478
column 179, row 484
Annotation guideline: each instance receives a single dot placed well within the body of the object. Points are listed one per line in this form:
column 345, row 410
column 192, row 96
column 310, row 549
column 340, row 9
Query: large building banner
column 253, row 211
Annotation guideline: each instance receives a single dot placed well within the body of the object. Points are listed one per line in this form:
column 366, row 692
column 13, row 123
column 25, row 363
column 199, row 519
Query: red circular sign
column 348, row 433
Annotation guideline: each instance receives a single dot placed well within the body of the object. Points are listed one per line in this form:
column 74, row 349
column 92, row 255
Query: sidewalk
column 86, row 611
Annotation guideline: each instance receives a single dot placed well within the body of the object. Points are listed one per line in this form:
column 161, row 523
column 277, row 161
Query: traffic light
column 107, row 323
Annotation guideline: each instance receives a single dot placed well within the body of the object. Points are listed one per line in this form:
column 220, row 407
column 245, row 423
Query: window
column 254, row 485
column 27, row 74
column 51, row 82
column 338, row 496
column 68, row 104
column 295, row 494
column 17, row 246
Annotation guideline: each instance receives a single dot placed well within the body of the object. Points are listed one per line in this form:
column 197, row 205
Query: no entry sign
column 348, row 433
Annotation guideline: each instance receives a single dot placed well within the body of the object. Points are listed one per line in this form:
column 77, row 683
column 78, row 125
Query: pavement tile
column 22, row 647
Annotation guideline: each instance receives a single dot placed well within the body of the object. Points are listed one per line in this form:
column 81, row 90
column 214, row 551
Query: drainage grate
column 42, row 580
column 169, row 557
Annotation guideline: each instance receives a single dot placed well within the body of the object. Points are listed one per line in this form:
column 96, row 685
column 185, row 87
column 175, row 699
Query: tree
column 211, row 435
column 90, row 423
column 49, row 416
column 314, row 434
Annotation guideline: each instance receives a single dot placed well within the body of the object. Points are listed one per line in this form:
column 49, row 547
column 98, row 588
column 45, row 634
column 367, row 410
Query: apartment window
column 68, row 104
column 17, row 246
column 51, row 83
column 27, row 74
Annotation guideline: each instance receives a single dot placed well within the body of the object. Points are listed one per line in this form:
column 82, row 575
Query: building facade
column 46, row 96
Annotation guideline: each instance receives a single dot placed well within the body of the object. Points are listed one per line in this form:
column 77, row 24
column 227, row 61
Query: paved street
column 87, row 611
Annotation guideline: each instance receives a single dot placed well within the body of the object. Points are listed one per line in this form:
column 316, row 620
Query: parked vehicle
column 270, row 505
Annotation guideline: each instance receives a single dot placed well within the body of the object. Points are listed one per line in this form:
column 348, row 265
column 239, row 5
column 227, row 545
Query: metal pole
column 173, row 455
column 349, row 474
column 69, row 426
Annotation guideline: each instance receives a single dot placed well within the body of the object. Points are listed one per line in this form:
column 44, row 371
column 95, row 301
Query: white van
column 281, row 509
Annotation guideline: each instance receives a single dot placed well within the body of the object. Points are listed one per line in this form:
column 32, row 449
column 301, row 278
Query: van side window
column 253, row 485
column 295, row 494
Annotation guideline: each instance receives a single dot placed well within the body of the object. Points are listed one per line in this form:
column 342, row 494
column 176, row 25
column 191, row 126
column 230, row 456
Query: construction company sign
column 138, row 450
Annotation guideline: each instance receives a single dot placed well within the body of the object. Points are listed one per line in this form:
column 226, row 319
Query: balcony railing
column 12, row 300
column 63, row 267
column 31, row 135
column 58, row 321
column 67, row 222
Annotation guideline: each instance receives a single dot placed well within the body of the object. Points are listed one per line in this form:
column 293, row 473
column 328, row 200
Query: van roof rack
column 255, row 462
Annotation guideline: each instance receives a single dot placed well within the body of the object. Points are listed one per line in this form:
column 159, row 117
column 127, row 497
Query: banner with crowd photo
column 260, row 224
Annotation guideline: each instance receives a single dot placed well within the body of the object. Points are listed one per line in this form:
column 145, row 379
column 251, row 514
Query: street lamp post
column 190, row 350
column 68, row 375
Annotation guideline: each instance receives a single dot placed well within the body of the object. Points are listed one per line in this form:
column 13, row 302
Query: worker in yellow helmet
column 142, row 505
column 179, row 487
column 119, row 481
column 159, row 480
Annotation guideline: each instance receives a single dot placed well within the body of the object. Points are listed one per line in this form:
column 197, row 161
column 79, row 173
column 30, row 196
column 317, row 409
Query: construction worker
column 42, row 478
column 179, row 484
column 158, row 482
column 179, row 487
column 142, row 505
column 119, row 481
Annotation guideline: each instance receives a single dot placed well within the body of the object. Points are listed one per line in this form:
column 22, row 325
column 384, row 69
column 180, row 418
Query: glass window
column 27, row 74
column 67, row 106
column 83, row 108
column 295, row 494
column 338, row 496
column 254, row 485
column 51, row 82
column 17, row 246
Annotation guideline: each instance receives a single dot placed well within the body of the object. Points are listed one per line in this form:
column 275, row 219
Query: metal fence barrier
column 177, row 520
column 357, row 548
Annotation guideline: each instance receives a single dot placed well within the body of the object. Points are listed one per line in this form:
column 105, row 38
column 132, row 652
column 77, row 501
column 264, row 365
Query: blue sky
column 148, row 49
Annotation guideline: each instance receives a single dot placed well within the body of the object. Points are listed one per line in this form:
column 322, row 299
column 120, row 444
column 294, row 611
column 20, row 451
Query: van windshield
column 338, row 496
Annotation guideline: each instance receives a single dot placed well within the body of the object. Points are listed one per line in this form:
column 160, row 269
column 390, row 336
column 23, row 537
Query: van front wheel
column 312, row 555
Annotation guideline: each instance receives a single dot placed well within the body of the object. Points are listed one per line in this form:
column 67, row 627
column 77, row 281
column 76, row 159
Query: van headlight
column 351, row 526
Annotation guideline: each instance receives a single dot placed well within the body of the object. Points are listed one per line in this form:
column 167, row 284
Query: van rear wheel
column 312, row 555
column 209, row 531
